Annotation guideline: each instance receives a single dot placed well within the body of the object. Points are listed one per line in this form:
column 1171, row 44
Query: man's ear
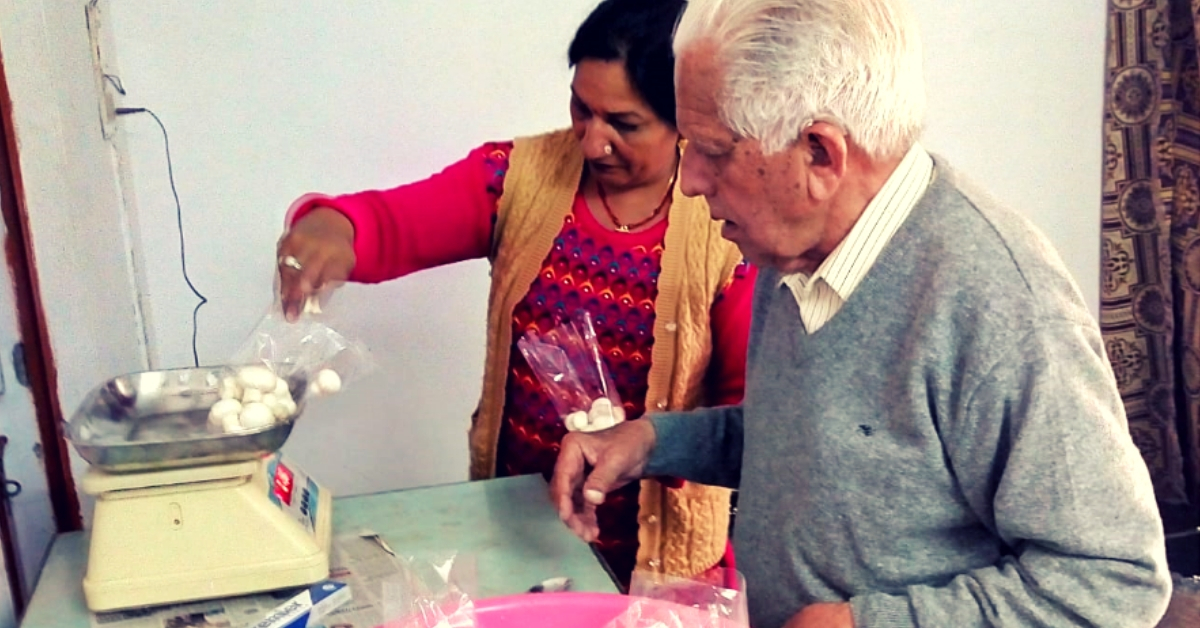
column 827, row 153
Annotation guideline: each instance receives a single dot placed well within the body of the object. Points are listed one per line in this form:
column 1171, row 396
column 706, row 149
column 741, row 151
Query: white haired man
column 931, row 433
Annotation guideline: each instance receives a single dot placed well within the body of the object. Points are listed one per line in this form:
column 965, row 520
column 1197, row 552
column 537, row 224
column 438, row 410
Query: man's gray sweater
column 950, row 449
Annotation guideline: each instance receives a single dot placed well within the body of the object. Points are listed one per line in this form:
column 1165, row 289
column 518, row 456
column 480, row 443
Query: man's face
column 764, row 200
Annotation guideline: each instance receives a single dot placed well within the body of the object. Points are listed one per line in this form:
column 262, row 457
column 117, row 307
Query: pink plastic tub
column 550, row 610
column 561, row 610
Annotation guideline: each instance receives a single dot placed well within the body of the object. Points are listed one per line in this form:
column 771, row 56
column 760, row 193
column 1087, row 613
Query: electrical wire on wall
column 179, row 222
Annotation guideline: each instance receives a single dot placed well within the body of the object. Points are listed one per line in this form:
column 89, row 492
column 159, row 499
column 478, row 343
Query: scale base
column 208, row 532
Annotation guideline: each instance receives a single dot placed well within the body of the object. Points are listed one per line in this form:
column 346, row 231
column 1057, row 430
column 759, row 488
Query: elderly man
column 931, row 433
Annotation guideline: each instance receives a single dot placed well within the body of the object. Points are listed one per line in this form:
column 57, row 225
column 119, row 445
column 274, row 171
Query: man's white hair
column 788, row 63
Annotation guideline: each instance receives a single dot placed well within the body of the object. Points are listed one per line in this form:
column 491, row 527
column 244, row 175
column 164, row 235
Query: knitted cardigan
column 681, row 531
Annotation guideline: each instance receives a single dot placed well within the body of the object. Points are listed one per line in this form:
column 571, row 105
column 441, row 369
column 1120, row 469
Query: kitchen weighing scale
column 184, row 511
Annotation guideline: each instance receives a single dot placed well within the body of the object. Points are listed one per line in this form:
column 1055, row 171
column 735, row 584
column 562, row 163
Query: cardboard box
column 308, row 608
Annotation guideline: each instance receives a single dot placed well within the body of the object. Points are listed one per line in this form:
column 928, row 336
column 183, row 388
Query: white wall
column 1017, row 100
column 79, row 229
column 266, row 100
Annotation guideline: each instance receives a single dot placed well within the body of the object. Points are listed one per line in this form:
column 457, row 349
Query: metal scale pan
column 157, row 420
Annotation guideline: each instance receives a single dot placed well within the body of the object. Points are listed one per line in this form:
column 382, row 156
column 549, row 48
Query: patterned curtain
column 1150, row 292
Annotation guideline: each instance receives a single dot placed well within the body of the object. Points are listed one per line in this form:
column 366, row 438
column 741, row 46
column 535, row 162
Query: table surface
column 508, row 525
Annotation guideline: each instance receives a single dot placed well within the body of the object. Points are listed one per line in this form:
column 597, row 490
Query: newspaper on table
column 360, row 562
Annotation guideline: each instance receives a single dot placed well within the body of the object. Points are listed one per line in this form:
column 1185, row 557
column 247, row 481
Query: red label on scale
column 283, row 484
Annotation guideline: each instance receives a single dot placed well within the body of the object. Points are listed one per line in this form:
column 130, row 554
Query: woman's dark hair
column 639, row 33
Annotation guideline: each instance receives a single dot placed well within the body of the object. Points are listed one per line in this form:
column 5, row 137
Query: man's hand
column 617, row 457
column 823, row 615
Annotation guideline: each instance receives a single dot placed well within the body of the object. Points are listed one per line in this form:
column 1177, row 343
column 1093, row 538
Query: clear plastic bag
column 716, row 599
column 430, row 593
column 283, row 364
column 301, row 350
column 568, row 363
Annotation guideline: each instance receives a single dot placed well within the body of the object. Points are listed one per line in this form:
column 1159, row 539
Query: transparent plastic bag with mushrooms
column 283, row 363
column 568, row 363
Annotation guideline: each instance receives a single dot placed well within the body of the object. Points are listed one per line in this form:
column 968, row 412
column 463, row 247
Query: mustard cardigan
column 681, row 531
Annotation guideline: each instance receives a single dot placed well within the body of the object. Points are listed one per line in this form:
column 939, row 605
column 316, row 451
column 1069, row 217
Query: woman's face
column 607, row 111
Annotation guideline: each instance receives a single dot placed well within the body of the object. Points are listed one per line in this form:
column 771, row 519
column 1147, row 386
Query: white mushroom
column 231, row 424
column 281, row 388
column 150, row 384
column 576, row 421
column 602, row 414
column 328, row 381
column 252, row 395
column 222, row 409
column 258, row 377
column 230, row 389
column 256, row 415
column 279, row 409
column 602, row 421
column 275, row 405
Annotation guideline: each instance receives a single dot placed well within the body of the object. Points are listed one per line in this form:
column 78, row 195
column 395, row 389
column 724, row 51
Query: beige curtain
column 1150, row 243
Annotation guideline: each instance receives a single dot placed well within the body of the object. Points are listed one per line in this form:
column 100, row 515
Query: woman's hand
column 317, row 251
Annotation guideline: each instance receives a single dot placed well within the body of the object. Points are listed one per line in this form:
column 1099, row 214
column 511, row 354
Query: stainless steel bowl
column 159, row 420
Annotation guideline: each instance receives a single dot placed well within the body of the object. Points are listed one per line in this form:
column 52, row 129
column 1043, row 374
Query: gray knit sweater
column 949, row 450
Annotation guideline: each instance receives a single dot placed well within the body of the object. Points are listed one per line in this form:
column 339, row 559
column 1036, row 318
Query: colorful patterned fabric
column 1150, row 264
column 495, row 164
column 614, row 277
column 452, row 216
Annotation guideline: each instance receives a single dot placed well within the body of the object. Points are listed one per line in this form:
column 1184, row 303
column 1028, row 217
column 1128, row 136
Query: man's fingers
column 568, row 477
column 583, row 524
column 604, row 478
column 577, row 512
column 576, row 492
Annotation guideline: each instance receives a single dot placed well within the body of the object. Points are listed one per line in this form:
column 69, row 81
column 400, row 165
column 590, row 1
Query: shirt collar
column 849, row 262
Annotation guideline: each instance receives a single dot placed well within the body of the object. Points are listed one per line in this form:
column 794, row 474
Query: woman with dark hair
column 583, row 218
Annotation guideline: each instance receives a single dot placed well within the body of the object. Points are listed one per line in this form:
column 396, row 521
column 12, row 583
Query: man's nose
column 693, row 178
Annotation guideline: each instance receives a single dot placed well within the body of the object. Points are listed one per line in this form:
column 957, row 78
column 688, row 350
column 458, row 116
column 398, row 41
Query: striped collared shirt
column 821, row 295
